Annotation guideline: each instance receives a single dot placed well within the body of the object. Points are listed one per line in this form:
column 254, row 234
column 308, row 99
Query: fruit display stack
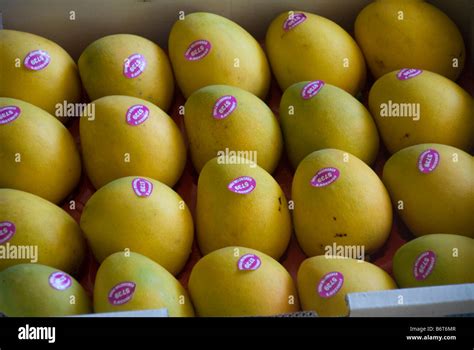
column 233, row 175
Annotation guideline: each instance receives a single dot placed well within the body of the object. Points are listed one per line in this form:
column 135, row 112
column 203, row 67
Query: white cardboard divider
column 437, row 301
column 414, row 302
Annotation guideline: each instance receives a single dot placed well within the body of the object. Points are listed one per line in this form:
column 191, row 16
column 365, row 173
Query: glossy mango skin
column 342, row 211
column 357, row 276
column 431, row 109
column 112, row 148
column 218, row 288
column 57, row 82
column 315, row 49
column 26, row 291
column 396, row 34
column 450, row 260
column 234, row 57
column 158, row 226
column 37, row 153
column 259, row 219
column 330, row 119
column 45, row 226
column 101, row 66
column 436, row 201
column 250, row 127
column 154, row 286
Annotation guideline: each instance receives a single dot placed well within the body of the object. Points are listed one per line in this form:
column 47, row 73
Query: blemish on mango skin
column 340, row 235
column 380, row 63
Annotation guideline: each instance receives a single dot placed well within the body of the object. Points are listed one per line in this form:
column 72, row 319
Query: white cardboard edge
column 433, row 301
column 141, row 313
column 437, row 301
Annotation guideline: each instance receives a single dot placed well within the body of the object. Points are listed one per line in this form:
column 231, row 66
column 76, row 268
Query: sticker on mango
column 37, row 60
column 242, row 185
column 325, row 177
column 424, row 265
column 197, row 50
column 330, row 284
column 311, row 89
column 224, row 106
column 408, row 73
column 142, row 187
column 428, row 161
column 137, row 114
column 7, row 231
column 134, row 65
column 249, row 262
column 293, row 20
column 60, row 280
column 9, row 114
column 121, row 293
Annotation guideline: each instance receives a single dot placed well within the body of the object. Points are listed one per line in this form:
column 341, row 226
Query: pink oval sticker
column 242, row 185
column 9, row 114
column 142, row 187
column 60, row 280
column 330, row 284
column 224, row 106
column 122, row 293
column 134, row 65
column 37, row 60
column 325, row 177
column 408, row 73
column 197, row 50
column 293, row 20
column 428, row 161
column 7, row 230
column 249, row 262
column 311, row 89
column 424, row 265
column 137, row 114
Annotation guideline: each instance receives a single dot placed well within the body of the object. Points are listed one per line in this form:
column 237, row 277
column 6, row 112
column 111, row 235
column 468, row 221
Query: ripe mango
column 226, row 119
column 29, row 222
column 207, row 49
column 396, row 34
column 335, row 197
column 315, row 115
column 37, row 70
column 34, row 290
column 241, row 205
column 238, row 281
column 432, row 187
column 141, row 215
column 302, row 46
column 411, row 106
column 131, row 136
column 324, row 281
column 37, row 153
column 125, row 64
column 433, row 260
column 131, row 281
